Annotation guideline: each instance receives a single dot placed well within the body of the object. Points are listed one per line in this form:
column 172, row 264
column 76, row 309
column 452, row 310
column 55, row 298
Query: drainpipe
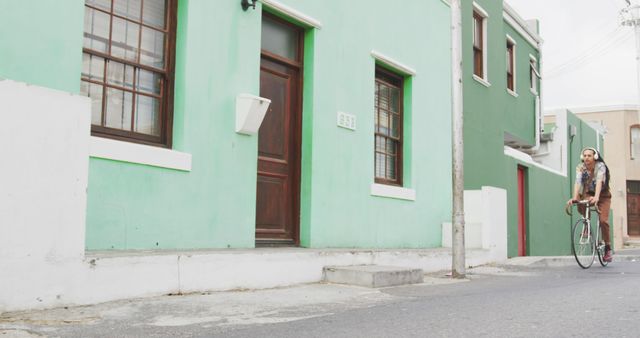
column 457, row 241
column 538, row 101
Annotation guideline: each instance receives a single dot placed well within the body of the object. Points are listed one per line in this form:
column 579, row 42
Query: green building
column 506, row 142
column 344, row 155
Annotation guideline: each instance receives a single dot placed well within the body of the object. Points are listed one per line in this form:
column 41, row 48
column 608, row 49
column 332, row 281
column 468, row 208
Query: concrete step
column 372, row 276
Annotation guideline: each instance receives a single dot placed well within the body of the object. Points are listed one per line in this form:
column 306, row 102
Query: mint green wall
column 337, row 172
column 38, row 46
column 138, row 207
column 132, row 206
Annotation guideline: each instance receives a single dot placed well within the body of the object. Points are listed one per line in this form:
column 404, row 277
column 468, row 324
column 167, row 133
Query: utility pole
column 457, row 242
column 631, row 17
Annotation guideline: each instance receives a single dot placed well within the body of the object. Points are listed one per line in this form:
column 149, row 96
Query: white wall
column 43, row 180
column 553, row 154
column 485, row 213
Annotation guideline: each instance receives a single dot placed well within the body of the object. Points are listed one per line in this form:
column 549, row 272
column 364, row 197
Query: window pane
column 391, row 146
column 279, row 39
column 96, row 30
column 391, row 167
column 383, row 124
column 104, row 4
column 380, row 163
column 395, row 125
column 395, row 100
column 152, row 48
column 127, row 8
column 147, row 120
column 124, row 39
column 119, row 105
column 380, row 144
column 383, row 97
column 149, row 82
column 119, row 74
column 93, row 91
column 153, row 13
column 92, row 67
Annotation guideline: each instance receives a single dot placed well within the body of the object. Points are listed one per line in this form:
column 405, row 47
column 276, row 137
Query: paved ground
column 525, row 298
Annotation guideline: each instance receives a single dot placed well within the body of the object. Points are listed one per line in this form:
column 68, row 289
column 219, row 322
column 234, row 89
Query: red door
column 279, row 139
column 522, row 212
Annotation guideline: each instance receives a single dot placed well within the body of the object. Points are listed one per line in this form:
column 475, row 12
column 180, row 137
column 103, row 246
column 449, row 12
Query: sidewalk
column 214, row 312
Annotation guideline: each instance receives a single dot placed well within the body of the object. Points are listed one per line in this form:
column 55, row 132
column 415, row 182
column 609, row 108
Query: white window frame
column 484, row 79
column 534, row 75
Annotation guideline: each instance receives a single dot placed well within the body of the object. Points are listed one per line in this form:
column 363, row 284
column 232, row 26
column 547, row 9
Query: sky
column 588, row 58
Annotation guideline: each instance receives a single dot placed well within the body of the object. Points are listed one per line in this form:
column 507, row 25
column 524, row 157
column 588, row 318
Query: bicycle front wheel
column 600, row 248
column 583, row 243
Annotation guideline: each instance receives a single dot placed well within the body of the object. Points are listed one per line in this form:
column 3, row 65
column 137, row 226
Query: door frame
column 297, row 132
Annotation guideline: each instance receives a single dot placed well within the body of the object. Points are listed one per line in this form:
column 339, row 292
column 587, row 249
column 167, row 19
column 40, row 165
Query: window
column 127, row 68
column 511, row 68
column 533, row 73
column 478, row 44
column 388, row 127
column 635, row 142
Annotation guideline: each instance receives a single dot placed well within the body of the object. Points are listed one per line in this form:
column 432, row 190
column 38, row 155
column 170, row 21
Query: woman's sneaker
column 608, row 256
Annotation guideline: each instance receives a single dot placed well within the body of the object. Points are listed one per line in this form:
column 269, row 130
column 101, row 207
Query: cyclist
column 592, row 183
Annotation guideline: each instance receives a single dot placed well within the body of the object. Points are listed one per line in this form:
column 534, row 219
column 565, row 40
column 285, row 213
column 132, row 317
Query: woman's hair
column 607, row 175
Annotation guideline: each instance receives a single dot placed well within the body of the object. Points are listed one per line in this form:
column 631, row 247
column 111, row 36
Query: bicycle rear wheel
column 583, row 243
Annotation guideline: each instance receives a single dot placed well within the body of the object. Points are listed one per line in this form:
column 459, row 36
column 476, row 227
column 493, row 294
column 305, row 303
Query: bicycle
column 584, row 242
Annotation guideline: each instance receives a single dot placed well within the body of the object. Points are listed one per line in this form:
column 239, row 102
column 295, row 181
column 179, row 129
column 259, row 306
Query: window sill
column 100, row 147
column 481, row 80
column 383, row 190
column 514, row 94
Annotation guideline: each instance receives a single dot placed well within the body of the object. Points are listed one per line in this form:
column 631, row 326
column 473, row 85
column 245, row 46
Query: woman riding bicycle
column 592, row 183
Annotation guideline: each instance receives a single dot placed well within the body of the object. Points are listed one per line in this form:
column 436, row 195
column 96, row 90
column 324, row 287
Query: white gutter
column 514, row 19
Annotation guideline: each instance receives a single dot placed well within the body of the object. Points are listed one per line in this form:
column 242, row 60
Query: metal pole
column 631, row 17
column 637, row 32
column 458, row 254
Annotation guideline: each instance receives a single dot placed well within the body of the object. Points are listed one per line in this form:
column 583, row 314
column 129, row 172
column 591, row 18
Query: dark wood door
column 633, row 214
column 279, row 138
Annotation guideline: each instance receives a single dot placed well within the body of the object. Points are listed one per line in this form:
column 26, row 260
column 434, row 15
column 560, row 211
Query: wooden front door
column 633, row 208
column 279, row 140
column 522, row 213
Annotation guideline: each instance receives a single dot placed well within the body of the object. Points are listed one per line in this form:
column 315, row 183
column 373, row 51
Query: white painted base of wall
column 107, row 276
column 485, row 213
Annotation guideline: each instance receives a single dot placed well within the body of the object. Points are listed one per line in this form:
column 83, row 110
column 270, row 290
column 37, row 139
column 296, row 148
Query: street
column 495, row 301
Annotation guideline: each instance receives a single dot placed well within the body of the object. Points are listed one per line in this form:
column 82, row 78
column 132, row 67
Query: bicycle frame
column 585, row 244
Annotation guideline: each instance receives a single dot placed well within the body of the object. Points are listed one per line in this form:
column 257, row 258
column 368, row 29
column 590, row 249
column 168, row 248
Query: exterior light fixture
column 248, row 3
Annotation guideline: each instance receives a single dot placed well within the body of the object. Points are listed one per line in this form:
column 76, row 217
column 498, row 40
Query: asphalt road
column 496, row 301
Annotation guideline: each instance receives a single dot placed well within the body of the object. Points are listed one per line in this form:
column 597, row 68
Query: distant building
column 621, row 128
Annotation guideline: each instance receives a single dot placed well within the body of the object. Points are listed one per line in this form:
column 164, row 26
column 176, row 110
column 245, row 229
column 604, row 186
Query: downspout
column 538, row 101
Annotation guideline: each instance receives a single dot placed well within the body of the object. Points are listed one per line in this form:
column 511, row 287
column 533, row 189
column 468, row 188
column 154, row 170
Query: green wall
column 133, row 206
column 490, row 111
column 41, row 42
column 548, row 226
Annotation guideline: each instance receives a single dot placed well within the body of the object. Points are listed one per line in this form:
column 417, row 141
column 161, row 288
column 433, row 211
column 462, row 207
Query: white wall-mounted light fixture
column 250, row 111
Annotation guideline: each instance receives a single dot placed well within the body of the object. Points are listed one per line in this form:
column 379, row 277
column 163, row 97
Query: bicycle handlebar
column 568, row 209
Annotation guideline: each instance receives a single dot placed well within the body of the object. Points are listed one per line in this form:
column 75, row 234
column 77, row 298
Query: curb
column 560, row 261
